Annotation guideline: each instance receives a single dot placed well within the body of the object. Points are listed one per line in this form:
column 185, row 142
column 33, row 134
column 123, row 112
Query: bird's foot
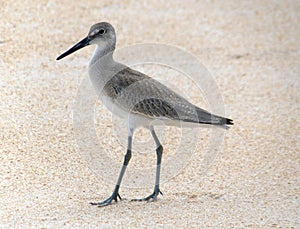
column 108, row 201
column 152, row 197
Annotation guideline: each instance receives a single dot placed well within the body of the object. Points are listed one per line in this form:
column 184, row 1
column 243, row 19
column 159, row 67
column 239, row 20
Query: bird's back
column 138, row 94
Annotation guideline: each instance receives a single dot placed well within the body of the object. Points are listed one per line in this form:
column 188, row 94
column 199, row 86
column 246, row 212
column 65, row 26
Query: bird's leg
column 159, row 151
column 115, row 193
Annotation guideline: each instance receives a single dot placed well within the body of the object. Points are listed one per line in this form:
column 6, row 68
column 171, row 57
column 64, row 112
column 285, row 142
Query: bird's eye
column 101, row 31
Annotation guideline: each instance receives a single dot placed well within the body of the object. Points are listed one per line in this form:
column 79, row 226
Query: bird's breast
column 113, row 107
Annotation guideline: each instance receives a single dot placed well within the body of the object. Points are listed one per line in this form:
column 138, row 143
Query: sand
column 251, row 49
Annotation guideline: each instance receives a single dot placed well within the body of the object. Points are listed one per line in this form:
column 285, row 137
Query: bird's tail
column 214, row 119
column 204, row 117
column 219, row 121
column 224, row 121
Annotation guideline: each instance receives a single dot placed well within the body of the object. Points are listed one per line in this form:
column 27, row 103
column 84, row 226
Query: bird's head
column 102, row 34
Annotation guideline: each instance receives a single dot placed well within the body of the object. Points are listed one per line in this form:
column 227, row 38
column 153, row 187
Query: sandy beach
column 48, row 174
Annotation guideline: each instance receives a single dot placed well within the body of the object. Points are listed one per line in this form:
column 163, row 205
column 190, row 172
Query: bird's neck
column 103, row 67
column 102, row 55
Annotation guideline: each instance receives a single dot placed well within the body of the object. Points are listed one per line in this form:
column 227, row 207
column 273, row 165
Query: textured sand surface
column 252, row 50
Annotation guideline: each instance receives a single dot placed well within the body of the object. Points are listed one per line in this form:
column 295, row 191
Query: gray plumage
column 129, row 93
column 138, row 93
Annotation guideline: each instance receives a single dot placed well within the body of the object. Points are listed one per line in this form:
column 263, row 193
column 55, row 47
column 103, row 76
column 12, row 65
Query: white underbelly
column 133, row 120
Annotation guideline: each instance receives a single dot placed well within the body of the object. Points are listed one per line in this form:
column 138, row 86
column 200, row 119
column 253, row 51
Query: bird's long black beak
column 79, row 45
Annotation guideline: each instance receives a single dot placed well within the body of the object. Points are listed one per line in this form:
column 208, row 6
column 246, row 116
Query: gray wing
column 140, row 94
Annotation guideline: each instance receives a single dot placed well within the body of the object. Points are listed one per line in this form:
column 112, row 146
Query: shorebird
column 137, row 98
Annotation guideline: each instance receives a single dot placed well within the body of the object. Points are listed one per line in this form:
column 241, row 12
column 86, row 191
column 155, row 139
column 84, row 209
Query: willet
column 137, row 98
